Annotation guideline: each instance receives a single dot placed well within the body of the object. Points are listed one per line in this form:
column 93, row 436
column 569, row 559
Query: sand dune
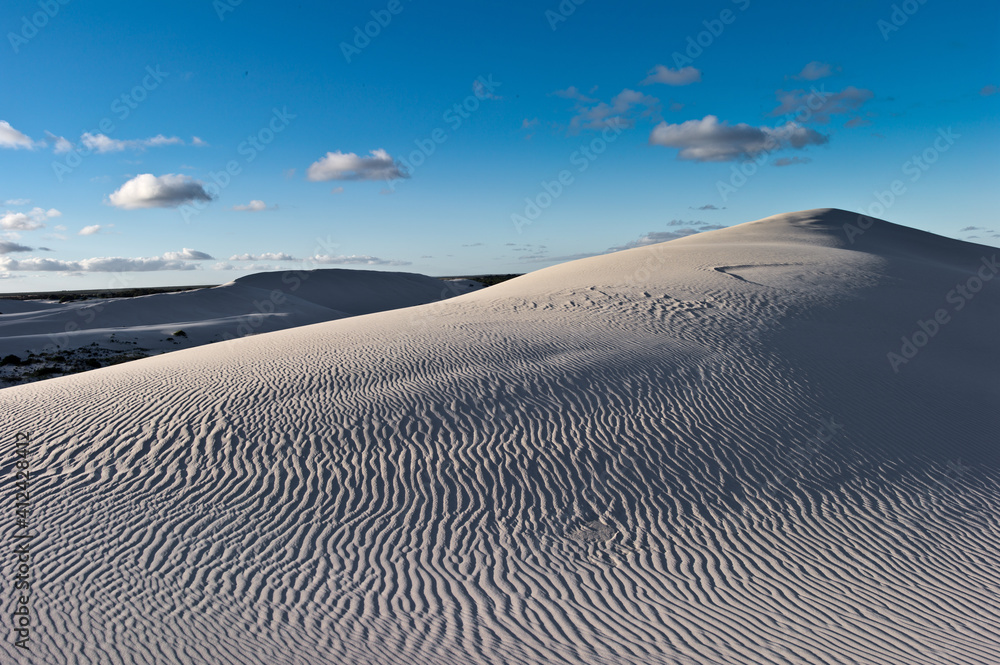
column 692, row 452
column 251, row 305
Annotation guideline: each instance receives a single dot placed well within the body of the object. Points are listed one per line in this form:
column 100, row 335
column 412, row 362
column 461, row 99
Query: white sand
column 693, row 452
column 250, row 305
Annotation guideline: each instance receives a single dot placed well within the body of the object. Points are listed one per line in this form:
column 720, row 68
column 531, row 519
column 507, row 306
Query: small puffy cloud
column 816, row 70
column 572, row 93
column 682, row 76
column 165, row 191
column 529, row 124
column 989, row 90
column 17, row 202
column 975, row 228
column 337, row 190
column 857, row 122
column 93, row 229
column 790, row 161
column 10, row 247
column 708, row 206
column 254, row 206
column 103, row 143
column 622, row 111
column 13, row 139
column 708, row 140
column 267, row 256
column 20, row 221
column 188, row 255
column 819, row 105
column 198, row 142
column 356, row 259
column 60, row 145
column 349, row 166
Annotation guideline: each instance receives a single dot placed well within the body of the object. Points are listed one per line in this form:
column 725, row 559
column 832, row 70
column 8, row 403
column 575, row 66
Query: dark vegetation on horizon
column 486, row 280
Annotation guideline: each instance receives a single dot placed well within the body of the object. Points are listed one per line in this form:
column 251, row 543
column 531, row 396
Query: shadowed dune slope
column 258, row 303
column 692, row 452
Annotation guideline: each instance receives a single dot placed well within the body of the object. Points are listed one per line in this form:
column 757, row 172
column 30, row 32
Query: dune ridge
column 249, row 305
column 692, row 452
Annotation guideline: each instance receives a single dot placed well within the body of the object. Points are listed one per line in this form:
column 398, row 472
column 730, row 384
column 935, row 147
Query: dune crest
column 692, row 452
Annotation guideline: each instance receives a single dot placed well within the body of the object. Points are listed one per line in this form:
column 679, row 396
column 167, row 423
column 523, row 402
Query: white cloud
column 60, row 144
column 13, row 139
column 708, row 140
column 572, row 93
column 621, row 112
column 29, row 221
column 815, row 70
column 198, row 142
column 93, row 228
column 819, row 105
column 100, row 264
column 165, row 191
column 254, row 206
column 17, row 202
column 188, row 255
column 355, row 259
column 250, row 266
column 349, row 166
column 337, row 190
column 9, row 247
column 102, row 143
column 267, row 256
column 683, row 76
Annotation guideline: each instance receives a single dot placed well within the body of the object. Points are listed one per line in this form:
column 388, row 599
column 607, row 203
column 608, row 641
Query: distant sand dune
column 251, row 305
column 632, row 458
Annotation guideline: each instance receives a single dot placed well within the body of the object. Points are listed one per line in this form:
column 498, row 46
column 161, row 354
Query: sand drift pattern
column 570, row 467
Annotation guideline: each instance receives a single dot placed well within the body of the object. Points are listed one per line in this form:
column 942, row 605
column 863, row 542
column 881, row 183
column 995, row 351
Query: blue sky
column 437, row 142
